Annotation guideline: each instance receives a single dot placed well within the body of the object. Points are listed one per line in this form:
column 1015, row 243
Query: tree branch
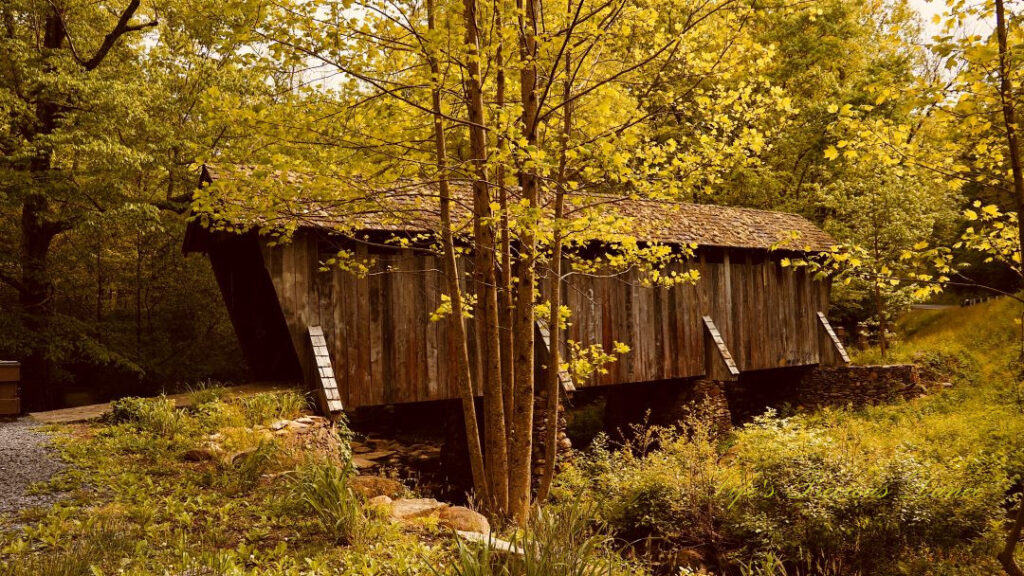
column 123, row 27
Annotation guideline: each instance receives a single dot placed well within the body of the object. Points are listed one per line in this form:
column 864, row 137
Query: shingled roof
column 415, row 209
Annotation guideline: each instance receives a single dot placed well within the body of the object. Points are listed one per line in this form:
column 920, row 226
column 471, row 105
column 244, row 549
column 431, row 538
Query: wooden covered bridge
column 746, row 313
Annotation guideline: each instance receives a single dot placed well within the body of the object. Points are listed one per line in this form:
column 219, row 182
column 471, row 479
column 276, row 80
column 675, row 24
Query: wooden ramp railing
column 719, row 362
column 545, row 339
column 832, row 344
column 329, row 395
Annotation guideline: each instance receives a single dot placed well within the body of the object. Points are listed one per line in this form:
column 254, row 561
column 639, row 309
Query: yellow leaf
column 831, row 153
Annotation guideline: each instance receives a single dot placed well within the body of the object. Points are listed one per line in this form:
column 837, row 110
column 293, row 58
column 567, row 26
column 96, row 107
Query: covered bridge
column 746, row 313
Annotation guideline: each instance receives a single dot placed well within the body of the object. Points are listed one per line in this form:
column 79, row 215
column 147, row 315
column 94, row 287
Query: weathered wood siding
column 386, row 350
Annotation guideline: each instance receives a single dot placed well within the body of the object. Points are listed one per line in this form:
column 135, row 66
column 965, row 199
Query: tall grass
column 322, row 489
column 105, row 543
column 155, row 415
column 266, row 407
column 561, row 540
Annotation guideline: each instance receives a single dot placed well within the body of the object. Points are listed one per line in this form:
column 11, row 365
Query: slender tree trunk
column 138, row 294
column 555, row 279
column 1006, row 555
column 484, row 274
column 99, row 276
column 1006, row 95
column 522, row 443
column 505, row 269
column 883, row 341
column 1009, row 105
column 451, row 272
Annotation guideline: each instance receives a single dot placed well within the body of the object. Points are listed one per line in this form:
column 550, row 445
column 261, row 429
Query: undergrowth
column 259, row 507
column 916, row 487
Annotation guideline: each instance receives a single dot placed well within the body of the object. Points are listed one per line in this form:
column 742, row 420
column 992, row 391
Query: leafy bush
column 322, row 489
column 814, row 496
column 206, row 391
column 808, row 496
column 265, row 407
column 957, row 367
column 155, row 415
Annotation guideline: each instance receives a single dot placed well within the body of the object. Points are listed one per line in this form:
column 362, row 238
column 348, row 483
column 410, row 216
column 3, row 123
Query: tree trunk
column 555, row 279
column 1006, row 555
column 451, row 271
column 1006, row 95
column 522, row 443
column 38, row 228
column 1009, row 105
column 485, row 276
column 35, row 297
column 39, row 223
column 505, row 296
column 883, row 342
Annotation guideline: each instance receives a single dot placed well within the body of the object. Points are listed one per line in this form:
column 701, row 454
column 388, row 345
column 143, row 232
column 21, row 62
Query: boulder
column 496, row 544
column 363, row 463
column 239, row 458
column 199, row 455
column 408, row 509
column 381, row 500
column 372, row 486
column 463, row 519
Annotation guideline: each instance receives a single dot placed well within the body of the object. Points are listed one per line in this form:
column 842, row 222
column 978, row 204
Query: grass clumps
column 560, row 540
column 266, row 407
column 154, row 415
column 321, row 489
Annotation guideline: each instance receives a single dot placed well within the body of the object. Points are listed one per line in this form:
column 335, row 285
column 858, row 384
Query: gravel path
column 24, row 460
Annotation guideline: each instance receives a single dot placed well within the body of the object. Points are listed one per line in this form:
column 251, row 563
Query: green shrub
column 216, row 414
column 678, row 493
column 322, row 489
column 155, row 415
column 815, row 497
column 266, row 407
column 206, row 391
column 957, row 367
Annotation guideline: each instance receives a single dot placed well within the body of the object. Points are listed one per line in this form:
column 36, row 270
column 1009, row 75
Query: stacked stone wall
column 858, row 385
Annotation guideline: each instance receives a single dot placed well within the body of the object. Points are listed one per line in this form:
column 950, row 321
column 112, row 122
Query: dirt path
column 25, row 458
